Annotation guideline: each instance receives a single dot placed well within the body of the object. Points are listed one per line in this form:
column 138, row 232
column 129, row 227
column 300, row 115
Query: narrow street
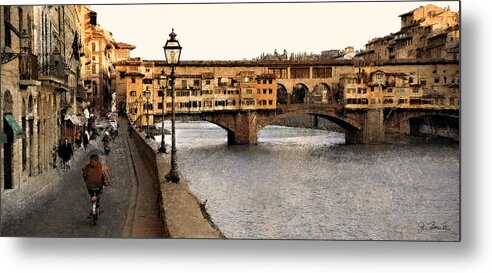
column 62, row 209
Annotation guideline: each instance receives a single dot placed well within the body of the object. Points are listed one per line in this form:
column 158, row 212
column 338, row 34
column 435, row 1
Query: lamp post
column 162, row 78
column 172, row 50
column 146, row 93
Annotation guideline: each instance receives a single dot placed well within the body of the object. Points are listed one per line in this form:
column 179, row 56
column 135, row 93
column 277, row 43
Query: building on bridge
column 330, row 89
column 426, row 32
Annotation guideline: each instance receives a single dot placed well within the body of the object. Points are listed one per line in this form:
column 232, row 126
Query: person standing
column 66, row 153
column 61, row 151
column 85, row 139
column 78, row 138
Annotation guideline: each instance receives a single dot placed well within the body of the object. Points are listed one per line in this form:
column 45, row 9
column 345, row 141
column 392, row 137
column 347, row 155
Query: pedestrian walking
column 78, row 138
column 61, row 150
column 67, row 153
column 85, row 139
column 54, row 153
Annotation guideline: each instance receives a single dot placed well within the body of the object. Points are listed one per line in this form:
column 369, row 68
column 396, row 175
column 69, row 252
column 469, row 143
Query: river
column 307, row 184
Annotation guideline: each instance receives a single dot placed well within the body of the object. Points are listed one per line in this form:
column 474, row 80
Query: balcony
column 80, row 92
column 28, row 67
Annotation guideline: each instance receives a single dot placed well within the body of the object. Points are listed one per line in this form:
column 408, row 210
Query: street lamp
column 162, row 78
column 172, row 50
column 147, row 96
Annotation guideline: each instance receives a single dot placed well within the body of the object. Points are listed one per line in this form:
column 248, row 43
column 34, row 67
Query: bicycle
column 95, row 211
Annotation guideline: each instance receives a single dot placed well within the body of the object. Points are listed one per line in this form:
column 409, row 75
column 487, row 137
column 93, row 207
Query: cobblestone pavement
column 56, row 204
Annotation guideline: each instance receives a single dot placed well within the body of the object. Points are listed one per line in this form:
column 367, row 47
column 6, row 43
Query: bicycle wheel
column 94, row 219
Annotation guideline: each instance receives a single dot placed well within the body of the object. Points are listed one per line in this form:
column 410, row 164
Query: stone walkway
column 55, row 203
column 145, row 223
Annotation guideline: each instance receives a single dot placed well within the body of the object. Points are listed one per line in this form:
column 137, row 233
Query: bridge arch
column 428, row 122
column 300, row 93
column 282, row 95
column 321, row 94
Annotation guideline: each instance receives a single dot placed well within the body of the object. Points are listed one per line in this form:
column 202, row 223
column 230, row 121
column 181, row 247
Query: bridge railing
column 298, row 107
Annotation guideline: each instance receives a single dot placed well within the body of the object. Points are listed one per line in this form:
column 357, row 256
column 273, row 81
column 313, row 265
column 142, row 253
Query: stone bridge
column 362, row 126
column 242, row 126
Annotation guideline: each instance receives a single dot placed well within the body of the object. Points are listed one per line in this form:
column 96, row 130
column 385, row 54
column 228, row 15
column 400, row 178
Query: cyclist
column 96, row 176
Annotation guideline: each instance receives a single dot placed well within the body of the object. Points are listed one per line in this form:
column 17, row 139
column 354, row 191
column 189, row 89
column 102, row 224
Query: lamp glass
column 147, row 93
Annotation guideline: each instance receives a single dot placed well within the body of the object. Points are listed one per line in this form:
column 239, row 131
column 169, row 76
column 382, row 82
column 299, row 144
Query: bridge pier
column 246, row 129
column 372, row 131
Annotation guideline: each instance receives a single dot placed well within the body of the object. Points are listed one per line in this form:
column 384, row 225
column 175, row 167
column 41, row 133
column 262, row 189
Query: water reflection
column 303, row 184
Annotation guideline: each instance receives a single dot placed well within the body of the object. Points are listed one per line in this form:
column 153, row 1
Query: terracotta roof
column 124, row 46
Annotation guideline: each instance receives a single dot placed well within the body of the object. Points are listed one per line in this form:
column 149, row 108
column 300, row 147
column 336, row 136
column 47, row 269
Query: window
column 159, row 105
column 280, row 73
column 184, row 83
column 94, row 68
column 207, row 82
column 423, row 82
column 258, row 91
column 21, row 18
column 133, row 80
column 436, row 80
column 270, row 91
column 322, row 72
column 249, row 91
column 270, row 102
column 390, row 90
column 147, row 81
column 264, row 91
column 299, row 73
column 147, row 70
column 6, row 16
column 93, row 46
column 133, row 93
column 270, row 81
column 196, row 82
column 160, row 93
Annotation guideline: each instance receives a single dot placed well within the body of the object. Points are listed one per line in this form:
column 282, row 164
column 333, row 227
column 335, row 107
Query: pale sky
column 237, row 31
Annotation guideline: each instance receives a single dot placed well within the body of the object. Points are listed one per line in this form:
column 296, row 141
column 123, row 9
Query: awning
column 15, row 126
column 74, row 119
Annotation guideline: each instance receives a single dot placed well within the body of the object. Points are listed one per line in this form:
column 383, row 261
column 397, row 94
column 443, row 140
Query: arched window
column 29, row 104
column 7, row 102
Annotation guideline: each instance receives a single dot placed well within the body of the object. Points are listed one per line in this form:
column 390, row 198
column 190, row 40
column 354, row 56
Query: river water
column 307, row 184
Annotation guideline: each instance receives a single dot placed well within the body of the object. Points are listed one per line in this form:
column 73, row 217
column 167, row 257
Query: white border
column 473, row 254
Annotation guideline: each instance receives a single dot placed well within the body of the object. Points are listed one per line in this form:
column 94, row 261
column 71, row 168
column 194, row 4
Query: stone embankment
column 182, row 214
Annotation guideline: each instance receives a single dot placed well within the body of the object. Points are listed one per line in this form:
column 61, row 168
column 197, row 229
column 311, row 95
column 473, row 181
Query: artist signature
column 432, row 226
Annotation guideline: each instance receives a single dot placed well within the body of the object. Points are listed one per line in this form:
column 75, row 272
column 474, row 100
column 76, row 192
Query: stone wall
column 182, row 214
